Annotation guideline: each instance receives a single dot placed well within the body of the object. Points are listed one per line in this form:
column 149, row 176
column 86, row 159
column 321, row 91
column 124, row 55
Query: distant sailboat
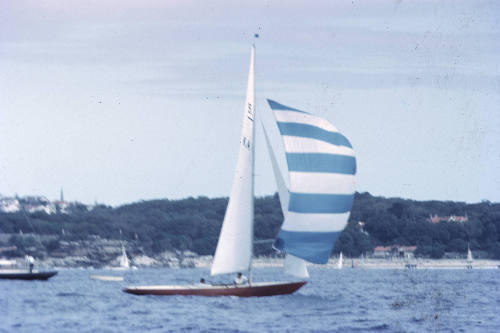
column 469, row 258
column 124, row 262
column 321, row 167
column 340, row 262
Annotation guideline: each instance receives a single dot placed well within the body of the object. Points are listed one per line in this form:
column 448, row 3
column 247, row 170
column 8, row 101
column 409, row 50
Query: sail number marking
column 245, row 142
column 250, row 113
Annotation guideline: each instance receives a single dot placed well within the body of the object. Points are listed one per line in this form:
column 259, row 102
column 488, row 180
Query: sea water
column 347, row 300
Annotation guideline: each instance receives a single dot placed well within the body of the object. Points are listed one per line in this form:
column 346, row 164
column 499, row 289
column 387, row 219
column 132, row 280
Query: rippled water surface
column 348, row 300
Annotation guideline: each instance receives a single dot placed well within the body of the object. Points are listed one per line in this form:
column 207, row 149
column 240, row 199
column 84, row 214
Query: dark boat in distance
column 14, row 274
column 255, row 289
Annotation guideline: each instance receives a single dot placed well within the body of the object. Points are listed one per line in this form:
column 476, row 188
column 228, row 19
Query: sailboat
column 124, row 265
column 316, row 205
column 23, row 274
column 124, row 262
column 28, row 273
column 469, row 258
column 340, row 262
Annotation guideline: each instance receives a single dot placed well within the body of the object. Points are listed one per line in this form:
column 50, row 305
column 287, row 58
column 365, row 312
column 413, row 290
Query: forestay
column 321, row 165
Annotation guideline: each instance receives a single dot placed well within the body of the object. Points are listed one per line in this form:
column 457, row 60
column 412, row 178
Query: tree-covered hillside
column 194, row 224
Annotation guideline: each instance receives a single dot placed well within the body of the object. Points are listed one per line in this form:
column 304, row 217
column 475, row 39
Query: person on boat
column 240, row 279
column 30, row 262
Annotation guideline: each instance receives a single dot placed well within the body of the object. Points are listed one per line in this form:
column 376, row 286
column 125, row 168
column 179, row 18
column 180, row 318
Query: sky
column 122, row 101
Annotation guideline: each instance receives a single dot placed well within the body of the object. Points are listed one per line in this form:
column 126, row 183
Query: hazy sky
column 120, row 101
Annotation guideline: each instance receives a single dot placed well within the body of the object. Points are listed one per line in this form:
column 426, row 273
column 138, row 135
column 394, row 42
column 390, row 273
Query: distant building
column 32, row 204
column 62, row 206
column 9, row 205
column 382, row 251
column 451, row 218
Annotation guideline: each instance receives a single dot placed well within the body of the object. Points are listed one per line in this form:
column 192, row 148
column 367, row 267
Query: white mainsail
column 124, row 262
column 234, row 248
column 321, row 165
column 293, row 265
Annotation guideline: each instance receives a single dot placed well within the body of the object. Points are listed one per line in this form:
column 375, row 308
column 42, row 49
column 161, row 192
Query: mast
column 251, row 92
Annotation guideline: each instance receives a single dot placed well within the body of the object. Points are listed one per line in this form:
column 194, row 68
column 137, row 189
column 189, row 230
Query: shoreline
column 260, row 262
column 372, row 263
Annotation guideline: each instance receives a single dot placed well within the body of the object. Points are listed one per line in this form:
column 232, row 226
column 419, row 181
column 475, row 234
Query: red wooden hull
column 257, row 289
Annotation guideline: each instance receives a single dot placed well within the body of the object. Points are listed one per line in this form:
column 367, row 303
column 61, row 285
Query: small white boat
column 107, row 278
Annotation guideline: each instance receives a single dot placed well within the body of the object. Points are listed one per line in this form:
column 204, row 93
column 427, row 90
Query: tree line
column 194, row 224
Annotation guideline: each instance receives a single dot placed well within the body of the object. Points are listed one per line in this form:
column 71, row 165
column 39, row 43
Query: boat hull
column 27, row 275
column 258, row 289
column 106, row 277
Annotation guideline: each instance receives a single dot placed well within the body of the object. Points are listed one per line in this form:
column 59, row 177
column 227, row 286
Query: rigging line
column 37, row 237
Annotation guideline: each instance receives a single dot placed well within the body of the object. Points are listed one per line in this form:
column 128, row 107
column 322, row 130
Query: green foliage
column 433, row 251
column 52, row 245
column 194, row 224
column 353, row 242
column 395, row 221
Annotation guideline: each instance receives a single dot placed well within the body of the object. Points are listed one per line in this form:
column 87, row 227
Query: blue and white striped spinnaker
column 322, row 168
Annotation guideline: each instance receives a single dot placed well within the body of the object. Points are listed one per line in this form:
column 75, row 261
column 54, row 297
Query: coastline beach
column 376, row 263
column 206, row 261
